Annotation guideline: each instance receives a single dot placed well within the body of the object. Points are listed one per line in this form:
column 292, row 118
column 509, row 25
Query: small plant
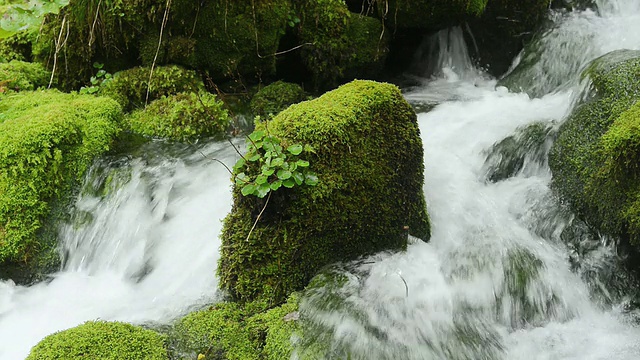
column 99, row 79
column 267, row 166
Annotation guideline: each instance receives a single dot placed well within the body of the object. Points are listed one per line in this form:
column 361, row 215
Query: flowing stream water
column 498, row 280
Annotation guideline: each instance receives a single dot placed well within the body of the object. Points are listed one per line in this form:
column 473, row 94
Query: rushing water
column 494, row 282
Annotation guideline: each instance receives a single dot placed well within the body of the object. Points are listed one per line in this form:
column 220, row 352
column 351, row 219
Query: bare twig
column 93, row 26
column 259, row 216
column 406, row 287
column 59, row 43
column 165, row 18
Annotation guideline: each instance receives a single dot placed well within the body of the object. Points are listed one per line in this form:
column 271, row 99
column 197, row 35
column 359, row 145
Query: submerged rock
column 101, row 340
column 47, row 141
column 595, row 158
column 369, row 161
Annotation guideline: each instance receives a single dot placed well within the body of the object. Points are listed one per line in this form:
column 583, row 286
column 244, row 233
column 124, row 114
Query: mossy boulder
column 368, row 157
column 232, row 331
column 22, row 76
column 275, row 97
column 339, row 44
column 432, row 14
column 594, row 160
column 17, row 46
column 131, row 87
column 48, row 140
column 181, row 117
column 101, row 340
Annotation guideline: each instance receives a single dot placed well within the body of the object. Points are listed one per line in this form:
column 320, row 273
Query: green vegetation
column 267, row 166
column 433, row 14
column 47, row 141
column 19, row 16
column 275, row 97
column 231, row 331
column 130, row 87
column 181, row 117
column 22, row 76
column 594, row 160
column 368, row 155
column 101, row 340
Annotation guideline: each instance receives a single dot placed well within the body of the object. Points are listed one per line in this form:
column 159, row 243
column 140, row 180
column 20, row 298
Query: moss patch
column 432, row 14
column 182, row 117
column 370, row 165
column 594, row 160
column 130, row 87
column 47, row 142
column 276, row 97
column 22, row 76
column 101, row 340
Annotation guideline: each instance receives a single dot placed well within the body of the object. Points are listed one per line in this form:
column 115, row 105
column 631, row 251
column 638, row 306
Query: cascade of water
column 495, row 282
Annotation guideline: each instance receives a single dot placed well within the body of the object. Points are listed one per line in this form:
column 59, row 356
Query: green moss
column 594, row 160
column 22, row 76
column 179, row 50
column 17, row 46
column 130, row 87
column 182, row 117
column 47, row 142
column 101, row 340
column 239, row 39
column 433, row 13
column 369, row 161
column 279, row 326
column 339, row 44
column 276, row 97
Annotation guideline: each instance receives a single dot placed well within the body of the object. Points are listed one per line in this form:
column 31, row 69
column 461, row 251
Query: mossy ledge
column 101, row 340
column 594, row 160
column 369, row 159
column 48, row 140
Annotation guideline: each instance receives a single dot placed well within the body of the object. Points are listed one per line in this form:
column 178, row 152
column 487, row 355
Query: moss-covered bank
column 595, row 158
column 101, row 340
column 22, row 76
column 48, row 140
column 369, row 161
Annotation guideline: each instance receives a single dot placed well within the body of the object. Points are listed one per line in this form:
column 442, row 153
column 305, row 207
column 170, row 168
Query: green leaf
column 295, row 149
column 302, row 163
column 298, row 177
column 311, row 179
column 239, row 164
column 289, row 183
column 248, row 189
column 242, row 179
column 253, row 157
column 276, row 185
column 284, row 174
column 256, row 135
column 263, row 190
column 261, row 179
column 277, row 162
column 267, row 171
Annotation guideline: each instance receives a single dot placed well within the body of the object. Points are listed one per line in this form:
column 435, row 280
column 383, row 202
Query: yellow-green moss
column 130, row 87
column 276, row 97
column 22, row 76
column 370, row 165
column 17, row 46
column 594, row 160
column 101, row 340
column 47, row 141
column 182, row 117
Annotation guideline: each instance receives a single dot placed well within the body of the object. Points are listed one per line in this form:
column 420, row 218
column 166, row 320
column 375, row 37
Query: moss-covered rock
column 130, row 87
column 17, row 46
column 101, row 340
column 237, row 332
column 432, row 14
column 594, row 160
column 339, row 44
column 369, row 161
column 276, row 97
column 181, row 117
column 22, row 76
column 47, row 141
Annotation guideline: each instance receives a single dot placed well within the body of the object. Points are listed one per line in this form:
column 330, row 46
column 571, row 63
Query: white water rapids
column 143, row 246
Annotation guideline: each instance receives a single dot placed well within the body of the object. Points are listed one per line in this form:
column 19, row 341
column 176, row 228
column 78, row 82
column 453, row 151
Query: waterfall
column 496, row 281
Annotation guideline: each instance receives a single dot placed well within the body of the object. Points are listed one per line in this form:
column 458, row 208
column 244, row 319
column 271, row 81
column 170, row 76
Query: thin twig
column 406, row 287
column 259, row 216
column 155, row 58
column 214, row 159
column 93, row 26
column 59, row 43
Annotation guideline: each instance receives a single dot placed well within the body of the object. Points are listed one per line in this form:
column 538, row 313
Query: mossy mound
column 22, row 76
column 432, row 14
column 17, row 46
column 276, row 97
column 181, row 117
column 340, row 44
column 369, row 159
column 47, row 141
column 594, row 160
column 130, row 87
column 238, row 332
column 101, row 340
